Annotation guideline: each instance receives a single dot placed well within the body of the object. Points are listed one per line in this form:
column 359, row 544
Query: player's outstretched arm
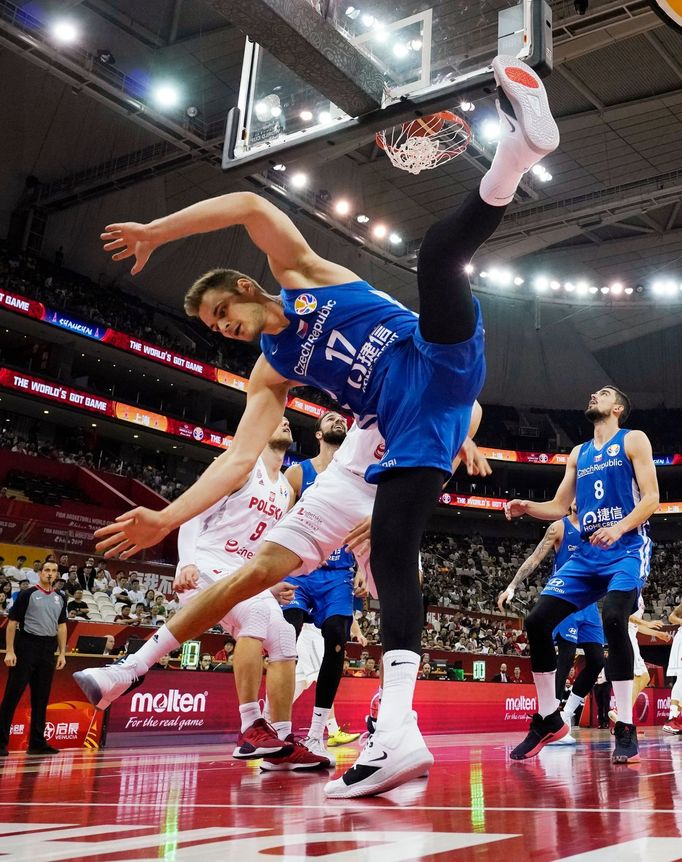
column 675, row 617
column 555, row 508
column 638, row 449
column 144, row 528
column 552, row 538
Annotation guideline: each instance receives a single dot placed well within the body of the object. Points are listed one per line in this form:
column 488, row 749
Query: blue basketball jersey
column 607, row 491
column 338, row 340
column 569, row 545
column 340, row 558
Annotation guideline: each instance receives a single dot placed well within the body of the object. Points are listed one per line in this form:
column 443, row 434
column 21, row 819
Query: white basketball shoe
column 526, row 122
column 102, row 685
column 388, row 760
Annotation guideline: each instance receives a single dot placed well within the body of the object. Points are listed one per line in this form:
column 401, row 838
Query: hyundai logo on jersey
column 555, row 582
column 305, row 303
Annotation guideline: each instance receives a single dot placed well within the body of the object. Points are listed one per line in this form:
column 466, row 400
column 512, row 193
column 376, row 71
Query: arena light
column 670, row 288
column 416, row 45
column 279, row 167
column 483, row 273
column 581, row 288
column 361, row 218
column 166, row 95
column 380, row 231
column 367, row 21
column 352, row 12
column 466, row 106
column 491, row 130
column 342, row 207
column 395, row 238
column 306, row 116
column 540, row 283
column 65, row 31
column 469, row 268
column 628, row 290
column 299, row 180
column 504, row 278
column 605, row 290
column 594, row 289
column 555, row 285
column 616, row 288
column 324, row 117
column 569, row 286
column 518, row 281
column 400, row 50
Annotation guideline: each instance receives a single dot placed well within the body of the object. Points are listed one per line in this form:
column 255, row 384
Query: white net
column 424, row 144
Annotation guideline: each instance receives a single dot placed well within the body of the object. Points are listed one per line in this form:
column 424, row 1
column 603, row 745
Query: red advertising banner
column 139, row 347
column 496, row 504
column 71, row 721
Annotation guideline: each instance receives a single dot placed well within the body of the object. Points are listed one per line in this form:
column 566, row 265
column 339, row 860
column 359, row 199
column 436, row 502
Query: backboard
column 431, row 56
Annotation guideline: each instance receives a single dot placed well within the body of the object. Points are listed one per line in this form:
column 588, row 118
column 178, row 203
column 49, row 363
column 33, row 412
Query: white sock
column 332, row 726
column 622, row 689
column 400, row 677
column 249, row 713
column 267, row 715
column 572, row 703
column 160, row 643
column 545, row 685
column 676, row 697
column 283, row 728
column 318, row 721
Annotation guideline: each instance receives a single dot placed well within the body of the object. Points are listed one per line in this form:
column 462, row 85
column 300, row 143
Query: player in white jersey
column 637, row 624
column 299, row 543
column 674, row 723
column 211, row 548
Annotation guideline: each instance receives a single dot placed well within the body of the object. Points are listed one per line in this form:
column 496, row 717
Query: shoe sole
column 567, row 740
column 528, row 96
column 551, row 737
column 257, row 753
column 91, row 690
column 418, row 764
column 671, row 730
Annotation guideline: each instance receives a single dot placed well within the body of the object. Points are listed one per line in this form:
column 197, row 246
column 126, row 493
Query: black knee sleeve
column 540, row 623
column 335, row 632
column 297, row 618
column 594, row 662
column 618, row 605
column 404, row 502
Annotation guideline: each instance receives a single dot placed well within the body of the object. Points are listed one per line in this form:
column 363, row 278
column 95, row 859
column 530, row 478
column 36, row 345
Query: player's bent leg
column 616, row 610
column 272, row 563
column 296, row 618
column 565, row 658
column 547, row 724
column 583, row 685
column 396, row 752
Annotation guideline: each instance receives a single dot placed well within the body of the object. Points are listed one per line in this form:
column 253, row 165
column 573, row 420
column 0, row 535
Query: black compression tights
column 446, row 312
column 404, row 502
column 565, row 656
column 594, row 662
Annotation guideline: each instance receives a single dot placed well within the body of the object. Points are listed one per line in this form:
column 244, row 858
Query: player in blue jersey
column 417, row 378
column 325, row 596
column 613, row 480
column 581, row 629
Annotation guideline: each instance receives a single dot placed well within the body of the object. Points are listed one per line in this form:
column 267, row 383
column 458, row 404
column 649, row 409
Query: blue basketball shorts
column 582, row 627
column 323, row 593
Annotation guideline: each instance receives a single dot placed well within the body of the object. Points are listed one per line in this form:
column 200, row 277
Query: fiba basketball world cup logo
column 198, row 433
column 305, row 303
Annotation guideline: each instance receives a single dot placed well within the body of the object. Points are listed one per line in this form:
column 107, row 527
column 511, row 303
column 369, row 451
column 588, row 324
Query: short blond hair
column 214, row 279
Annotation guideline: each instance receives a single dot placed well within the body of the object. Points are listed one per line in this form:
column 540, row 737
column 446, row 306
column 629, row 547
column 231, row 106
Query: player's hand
column 605, row 537
column 284, row 592
column 61, row 662
column 10, row 659
column 473, row 459
column 654, row 624
column 666, row 637
column 356, row 633
column 129, row 239
column 360, row 585
column 505, row 598
column 358, row 538
column 131, row 532
column 186, row 579
column 515, row 508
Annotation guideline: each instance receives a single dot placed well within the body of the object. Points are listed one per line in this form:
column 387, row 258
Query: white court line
column 360, row 805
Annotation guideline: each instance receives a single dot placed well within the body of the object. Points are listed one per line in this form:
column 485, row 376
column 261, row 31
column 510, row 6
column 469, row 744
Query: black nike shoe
column 626, row 749
column 542, row 732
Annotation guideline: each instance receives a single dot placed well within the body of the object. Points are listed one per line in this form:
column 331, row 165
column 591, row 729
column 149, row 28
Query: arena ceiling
column 611, row 211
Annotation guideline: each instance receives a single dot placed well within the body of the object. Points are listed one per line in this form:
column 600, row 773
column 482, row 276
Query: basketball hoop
column 423, row 144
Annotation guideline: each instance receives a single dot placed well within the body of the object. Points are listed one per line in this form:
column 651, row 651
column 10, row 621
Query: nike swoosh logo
column 318, row 714
column 383, row 757
column 274, row 350
column 395, row 663
column 513, row 127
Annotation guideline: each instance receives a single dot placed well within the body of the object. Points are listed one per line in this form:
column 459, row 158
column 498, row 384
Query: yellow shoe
column 341, row 738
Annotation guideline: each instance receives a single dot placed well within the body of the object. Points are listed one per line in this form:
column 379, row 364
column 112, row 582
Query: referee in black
column 39, row 614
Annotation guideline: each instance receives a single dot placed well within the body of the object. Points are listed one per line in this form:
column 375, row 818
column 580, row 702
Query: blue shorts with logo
column 593, row 572
column 427, row 394
column 323, row 593
column 582, row 627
